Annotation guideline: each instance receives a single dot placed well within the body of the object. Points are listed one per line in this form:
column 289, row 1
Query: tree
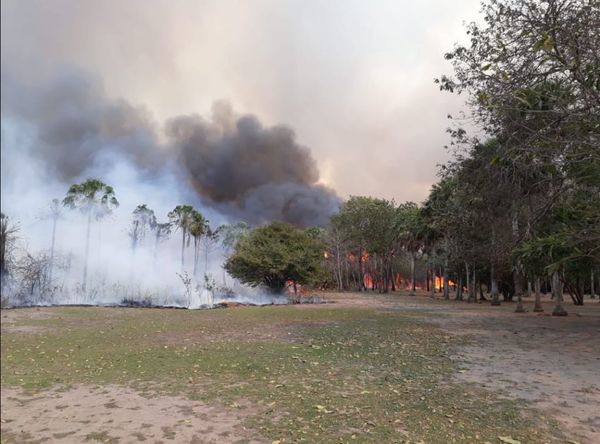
column 94, row 199
column 55, row 214
column 412, row 233
column 7, row 238
column 231, row 234
column 276, row 254
column 532, row 77
column 209, row 241
column 181, row 218
column 369, row 227
column 162, row 231
column 198, row 228
column 143, row 220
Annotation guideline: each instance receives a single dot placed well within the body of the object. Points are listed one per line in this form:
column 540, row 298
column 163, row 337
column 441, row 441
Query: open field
column 367, row 368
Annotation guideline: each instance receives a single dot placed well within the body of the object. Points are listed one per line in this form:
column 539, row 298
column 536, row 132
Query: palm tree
column 95, row 199
column 198, row 227
column 55, row 214
column 161, row 232
column 182, row 217
column 144, row 219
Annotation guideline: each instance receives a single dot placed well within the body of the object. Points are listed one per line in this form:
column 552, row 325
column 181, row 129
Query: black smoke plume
column 235, row 164
column 253, row 172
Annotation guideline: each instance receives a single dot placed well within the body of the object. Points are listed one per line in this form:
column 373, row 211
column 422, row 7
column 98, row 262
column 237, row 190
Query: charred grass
column 316, row 374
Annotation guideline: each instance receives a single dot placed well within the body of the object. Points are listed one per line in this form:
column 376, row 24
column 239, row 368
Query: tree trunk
column 338, row 262
column 432, row 286
column 459, row 289
column 538, row 297
column 361, row 274
column 518, row 282
column 413, row 283
column 51, row 265
column 557, row 292
column 196, row 254
column 446, row 286
column 494, row 293
column 182, row 247
column 87, row 251
column 592, row 288
column 469, row 298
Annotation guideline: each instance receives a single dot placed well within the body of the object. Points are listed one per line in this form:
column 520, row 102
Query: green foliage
column 231, row 234
column 275, row 254
column 92, row 197
column 181, row 217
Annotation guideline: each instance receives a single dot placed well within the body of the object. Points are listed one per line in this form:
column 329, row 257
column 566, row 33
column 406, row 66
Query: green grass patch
column 318, row 374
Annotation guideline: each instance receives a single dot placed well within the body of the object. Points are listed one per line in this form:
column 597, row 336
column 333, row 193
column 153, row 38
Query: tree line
column 517, row 209
column 95, row 200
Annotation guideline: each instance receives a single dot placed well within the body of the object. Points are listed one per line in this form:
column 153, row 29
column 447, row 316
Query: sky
column 353, row 79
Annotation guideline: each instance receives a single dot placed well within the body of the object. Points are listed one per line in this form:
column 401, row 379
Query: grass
column 316, row 374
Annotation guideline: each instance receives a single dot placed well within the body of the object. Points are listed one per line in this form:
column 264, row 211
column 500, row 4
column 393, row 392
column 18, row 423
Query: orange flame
column 439, row 283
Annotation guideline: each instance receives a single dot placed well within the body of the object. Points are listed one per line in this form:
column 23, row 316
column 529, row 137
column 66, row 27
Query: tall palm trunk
column 196, row 256
column 52, row 251
column 557, row 291
column 538, row 297
column 592, row 289
column 87, row 250
column 183, row 232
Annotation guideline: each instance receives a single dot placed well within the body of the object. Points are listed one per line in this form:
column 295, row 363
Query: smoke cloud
column 250, row 171
column 78, row 127
column 235, row 164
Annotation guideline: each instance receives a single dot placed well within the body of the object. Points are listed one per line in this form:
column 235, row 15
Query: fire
column 368, row 280
column 439, row 283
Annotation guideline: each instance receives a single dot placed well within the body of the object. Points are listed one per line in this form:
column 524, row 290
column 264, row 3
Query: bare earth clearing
column 552, row 364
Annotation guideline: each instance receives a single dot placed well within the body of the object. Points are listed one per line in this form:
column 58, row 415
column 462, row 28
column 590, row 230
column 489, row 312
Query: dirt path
column 116, row 414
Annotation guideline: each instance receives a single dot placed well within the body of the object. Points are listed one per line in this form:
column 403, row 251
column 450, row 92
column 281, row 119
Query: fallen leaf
column 508, row 440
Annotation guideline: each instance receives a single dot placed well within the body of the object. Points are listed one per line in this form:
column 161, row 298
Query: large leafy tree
column 273, row 255
column 95, row 200
column 531, row 74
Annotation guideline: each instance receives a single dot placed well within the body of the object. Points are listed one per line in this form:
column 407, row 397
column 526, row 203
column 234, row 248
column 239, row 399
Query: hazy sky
column 354, row 79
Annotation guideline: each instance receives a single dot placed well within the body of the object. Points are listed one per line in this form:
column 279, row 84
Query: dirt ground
column 553, row 363
column 116, row 414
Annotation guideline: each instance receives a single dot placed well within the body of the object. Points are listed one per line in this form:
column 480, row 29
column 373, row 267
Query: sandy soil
column 116, row 414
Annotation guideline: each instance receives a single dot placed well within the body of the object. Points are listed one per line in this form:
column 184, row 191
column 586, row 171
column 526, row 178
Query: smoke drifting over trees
column 235, row 164
column 254, row 172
